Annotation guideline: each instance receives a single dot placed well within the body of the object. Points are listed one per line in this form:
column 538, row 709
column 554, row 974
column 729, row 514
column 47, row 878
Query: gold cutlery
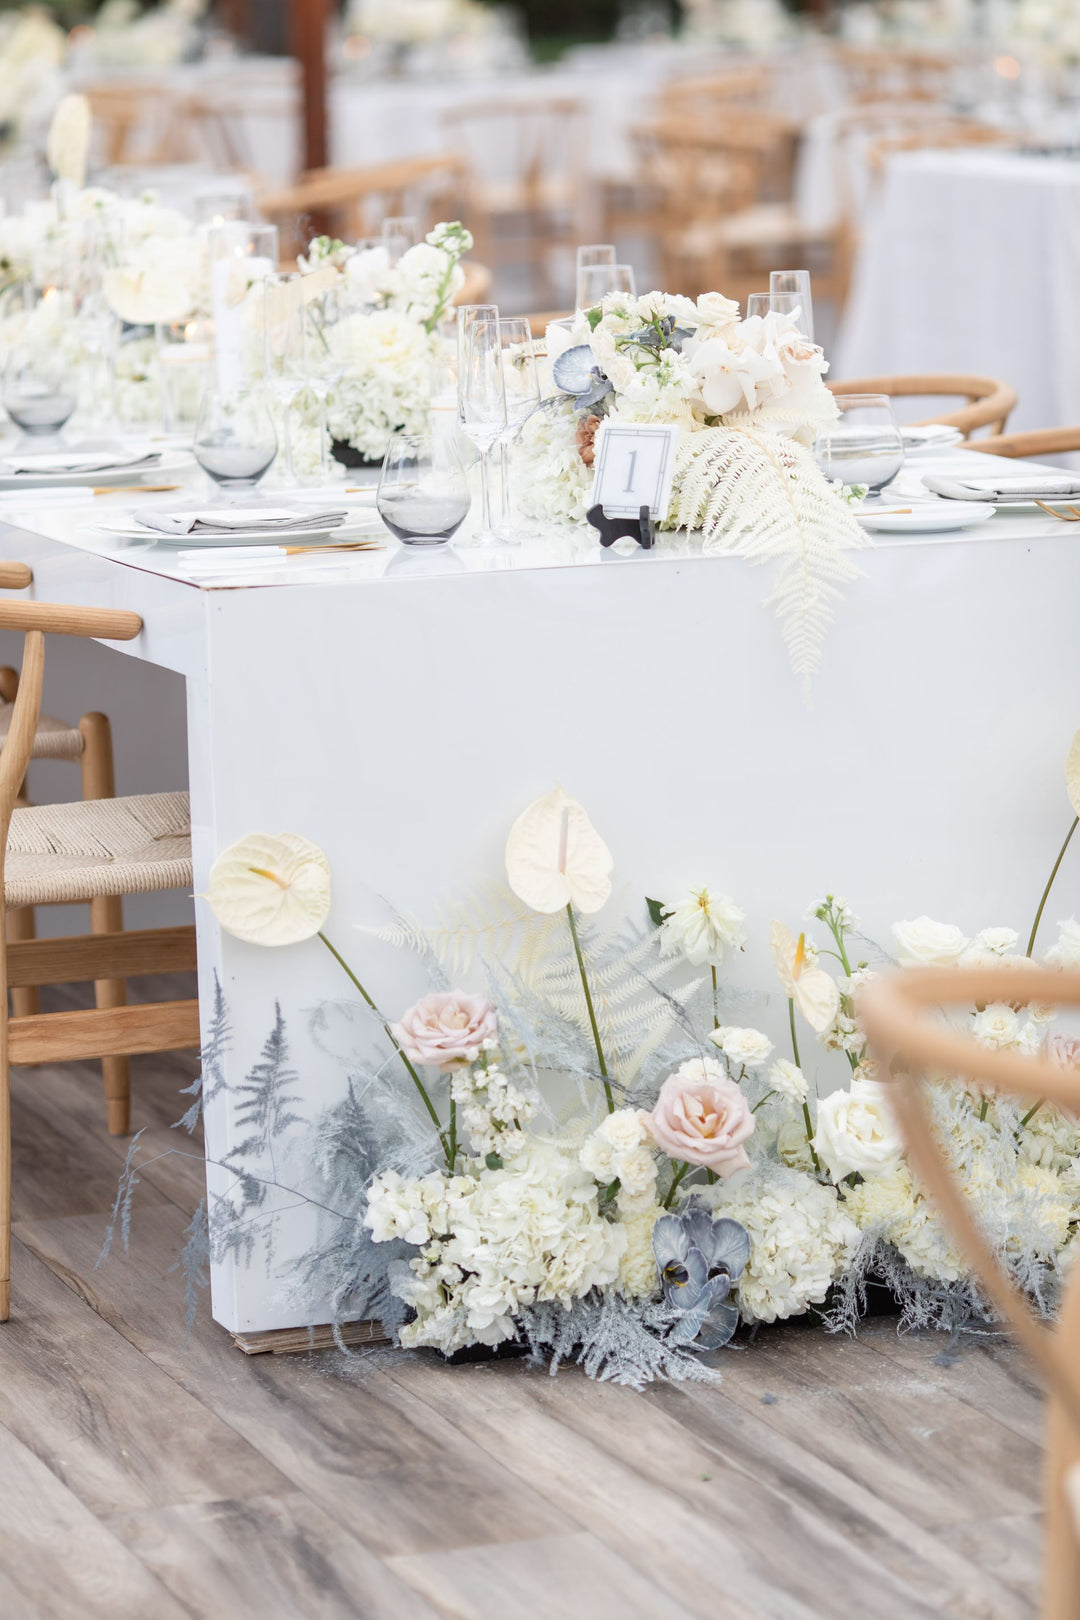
column 341, row 545
column 134, row 489
column 1070, row 514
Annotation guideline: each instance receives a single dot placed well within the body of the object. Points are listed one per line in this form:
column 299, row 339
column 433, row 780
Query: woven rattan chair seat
column 64, row 852
column 54, row 739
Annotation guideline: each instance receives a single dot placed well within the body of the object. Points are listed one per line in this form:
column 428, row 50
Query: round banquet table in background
column 970, row 262
column 401, row 709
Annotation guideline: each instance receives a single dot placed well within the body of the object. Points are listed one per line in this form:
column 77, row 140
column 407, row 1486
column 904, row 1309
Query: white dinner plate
column 172, row 462
column 236, row 537
column 927, row 517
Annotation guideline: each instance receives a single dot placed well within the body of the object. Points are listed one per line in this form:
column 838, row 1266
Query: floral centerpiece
column 387, row 337
column 748, row 397
column 587, row 1158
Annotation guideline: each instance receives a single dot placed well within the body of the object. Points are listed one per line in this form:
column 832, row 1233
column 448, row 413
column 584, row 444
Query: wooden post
column 307, row 40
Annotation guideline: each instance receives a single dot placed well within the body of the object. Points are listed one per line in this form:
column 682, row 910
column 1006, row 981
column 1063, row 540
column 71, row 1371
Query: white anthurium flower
column 67, row 148
column 1072, row 774
column 811, row 989
column 271, row 889
column 555, row 857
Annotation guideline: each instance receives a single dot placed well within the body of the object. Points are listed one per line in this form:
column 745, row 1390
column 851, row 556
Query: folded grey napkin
column 77, row 461
column 1006, row 489
column 256, row 520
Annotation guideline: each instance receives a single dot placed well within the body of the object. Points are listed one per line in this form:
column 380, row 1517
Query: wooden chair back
column 538, row 324
column 702, row 172
column 702, row 94
column 1036, row 442
column 136, row 123
column 875, row 73
column 525, row 148
column 989, row 399
column 933, row 135
column 899, row 1012
column 355, row 201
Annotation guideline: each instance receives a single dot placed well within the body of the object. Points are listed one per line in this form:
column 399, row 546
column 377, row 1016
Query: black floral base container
column 343, row 451
column 508, row 1350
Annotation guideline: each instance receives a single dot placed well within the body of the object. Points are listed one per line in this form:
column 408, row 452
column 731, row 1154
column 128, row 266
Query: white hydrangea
column 703, row 927
column 499, row 1240
column 551, row 482
column 742, row 1047
column 637, row 1267
column 801, row 1240
column 891, row 1207
column 1066, row 953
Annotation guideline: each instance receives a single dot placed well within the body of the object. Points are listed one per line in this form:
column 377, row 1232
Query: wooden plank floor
column 147, row 1477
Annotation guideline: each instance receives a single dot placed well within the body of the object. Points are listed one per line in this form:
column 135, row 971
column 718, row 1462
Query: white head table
column 401, row 708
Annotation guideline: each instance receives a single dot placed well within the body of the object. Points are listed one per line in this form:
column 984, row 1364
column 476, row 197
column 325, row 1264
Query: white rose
column 925, row 943
column 997, row 1025
column 856, row 1131
column 1066, row 953
column 746, row 1046
column 788, row 1079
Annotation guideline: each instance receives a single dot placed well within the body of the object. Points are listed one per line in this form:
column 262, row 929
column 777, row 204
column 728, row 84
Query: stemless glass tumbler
column 235, row 438
column 423, row 497
column 864, row 446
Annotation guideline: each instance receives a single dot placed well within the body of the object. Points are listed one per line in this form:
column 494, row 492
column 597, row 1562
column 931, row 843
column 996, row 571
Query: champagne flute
column 592, row 254
column 796, row 281
column 481, row 396
column 780, row 303
column 284, row 353
column 521, row 382
column 596, row 281
column 399, row 233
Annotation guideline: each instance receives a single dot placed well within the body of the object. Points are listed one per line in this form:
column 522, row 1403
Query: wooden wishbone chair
column 89, row 849
column 1035, row 442
column 897, row 1011
column 989, row 400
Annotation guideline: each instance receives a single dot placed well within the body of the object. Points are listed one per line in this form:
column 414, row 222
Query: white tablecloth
column 971, row 262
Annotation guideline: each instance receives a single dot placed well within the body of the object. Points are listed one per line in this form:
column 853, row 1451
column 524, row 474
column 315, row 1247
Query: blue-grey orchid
column 575, row 372
column 699, row 1257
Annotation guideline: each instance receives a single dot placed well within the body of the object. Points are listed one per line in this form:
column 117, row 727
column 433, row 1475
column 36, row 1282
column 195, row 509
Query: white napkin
column 227, row 520
column 1004, row 488
column 78, row 461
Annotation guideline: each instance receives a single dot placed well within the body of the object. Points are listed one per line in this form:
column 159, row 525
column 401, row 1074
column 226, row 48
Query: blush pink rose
column 1064, row 1050
column 702, row 1117
column 446, row 1029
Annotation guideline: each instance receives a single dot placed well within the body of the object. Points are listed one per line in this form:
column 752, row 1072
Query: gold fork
column 1070, row 514
column 133, row 489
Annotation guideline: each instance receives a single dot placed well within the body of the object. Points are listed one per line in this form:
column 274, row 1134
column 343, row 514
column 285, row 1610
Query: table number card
column 634, row 467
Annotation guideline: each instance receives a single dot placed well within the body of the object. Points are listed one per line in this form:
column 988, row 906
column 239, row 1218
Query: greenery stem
column 1049, row 885
column 808, row 1123
column 715, row 1000
column 608, row 1093
column 794, row 1037
column 1032, row 1111
column 416, row 1080
column 675, row 1180
column 763, row 1101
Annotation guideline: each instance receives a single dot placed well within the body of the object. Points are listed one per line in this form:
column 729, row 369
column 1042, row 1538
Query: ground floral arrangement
column 586, row 1160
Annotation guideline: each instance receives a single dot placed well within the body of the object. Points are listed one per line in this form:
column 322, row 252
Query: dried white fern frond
column 487, row 921
column 760, row 495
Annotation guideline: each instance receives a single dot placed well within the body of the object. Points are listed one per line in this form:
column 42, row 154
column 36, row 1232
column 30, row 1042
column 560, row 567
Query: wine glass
column 780, row 303
column 423, row 496
column 235, row 438
column 39, row 394
column 588, row 256
column 796, row 281
column 596, row 281
column 399, row 233
column 521, row 382
column 481, row 395
column 865, row 446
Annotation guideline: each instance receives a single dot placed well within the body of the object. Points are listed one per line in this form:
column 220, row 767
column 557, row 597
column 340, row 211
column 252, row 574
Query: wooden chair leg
column 107, row 917
column 1061, row 1576
column 5, row 1165
column 20, row 924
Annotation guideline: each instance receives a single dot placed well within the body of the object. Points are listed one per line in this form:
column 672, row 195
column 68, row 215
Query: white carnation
column 788, row 1079
column 742, row 1046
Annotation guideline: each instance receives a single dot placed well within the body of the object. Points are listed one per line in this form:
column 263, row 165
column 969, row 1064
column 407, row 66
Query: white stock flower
column 925, row 943
column 703, row 926
column 788, row 1079
column 742, row 1046
column 637, row 1268
column 856, row 1131
column 996, row 1025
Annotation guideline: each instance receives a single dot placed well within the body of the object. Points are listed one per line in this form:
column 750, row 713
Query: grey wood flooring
column 145, row 1476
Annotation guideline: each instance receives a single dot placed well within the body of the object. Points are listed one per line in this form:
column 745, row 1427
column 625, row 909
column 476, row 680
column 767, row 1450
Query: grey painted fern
column 760, row 496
